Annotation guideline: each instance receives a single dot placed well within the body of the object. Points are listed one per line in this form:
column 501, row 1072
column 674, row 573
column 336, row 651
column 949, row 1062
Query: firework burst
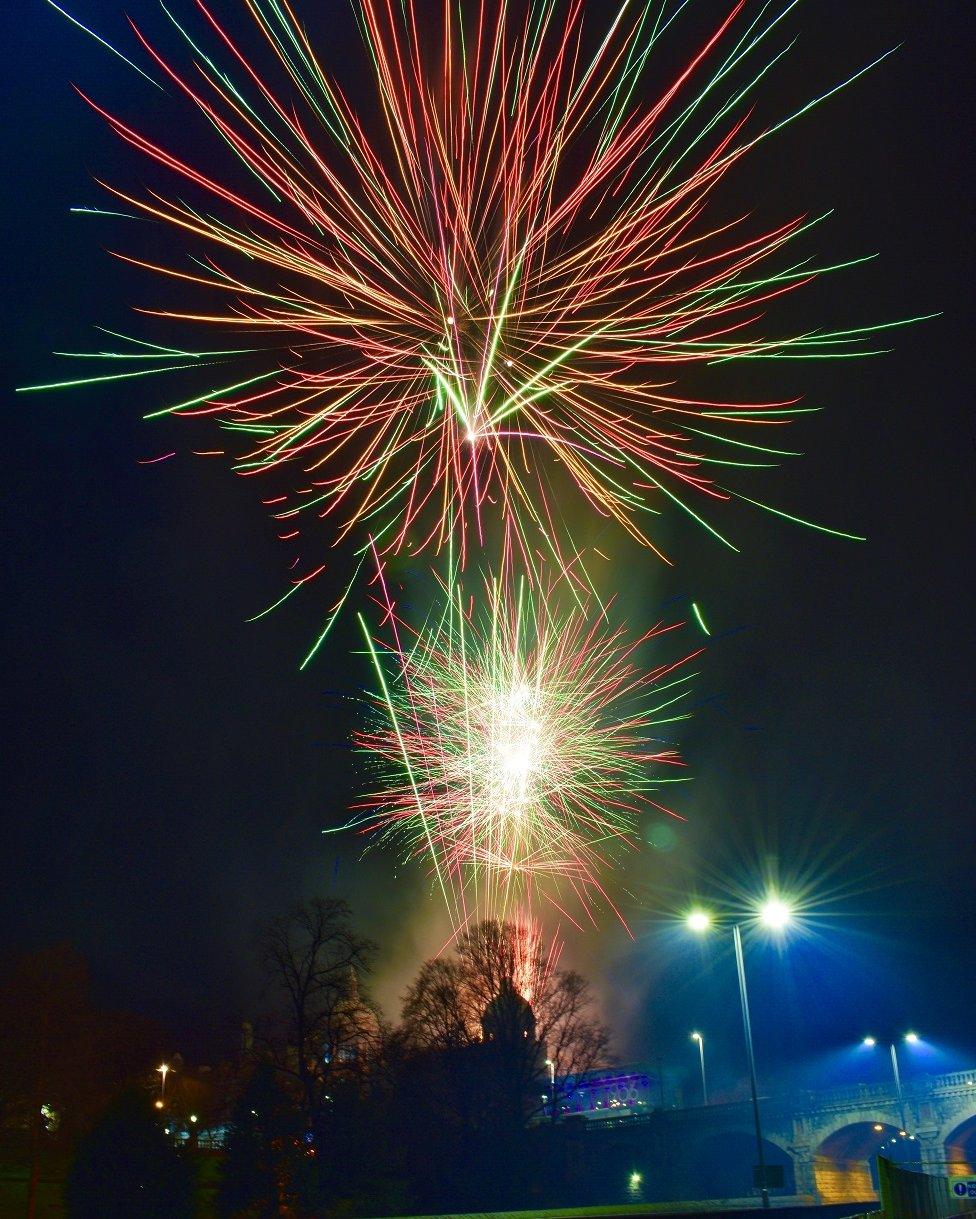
column 487, row 285
column 517, row 746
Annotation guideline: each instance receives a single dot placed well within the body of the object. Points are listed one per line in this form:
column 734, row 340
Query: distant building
column 608, row 1092
column 508, row 1019
column 354, row 1026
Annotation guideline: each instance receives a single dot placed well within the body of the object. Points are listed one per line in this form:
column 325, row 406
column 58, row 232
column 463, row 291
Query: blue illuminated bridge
column 823, row 1146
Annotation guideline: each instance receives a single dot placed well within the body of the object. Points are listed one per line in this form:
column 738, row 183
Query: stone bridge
column 825, row 1143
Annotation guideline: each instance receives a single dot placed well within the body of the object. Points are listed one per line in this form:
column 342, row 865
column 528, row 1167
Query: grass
column 13, row 1194
column 635, row 1209
column 50, row 1204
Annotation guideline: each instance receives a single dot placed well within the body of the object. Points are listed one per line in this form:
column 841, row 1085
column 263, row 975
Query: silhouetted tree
column 128, row 1168
column 478, row 1028
column 441, row 1011
column 446, row 1005
column 319, row 1027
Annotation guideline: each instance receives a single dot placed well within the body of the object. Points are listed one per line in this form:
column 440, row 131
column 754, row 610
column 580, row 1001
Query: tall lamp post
column 910, row 1039
column 163, row 1071
column 701, row 1058
column 552, row 1087
column 774, row 914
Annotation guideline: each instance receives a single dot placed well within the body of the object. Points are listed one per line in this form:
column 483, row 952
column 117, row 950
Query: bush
column 259, row 1165
column 128, row 1168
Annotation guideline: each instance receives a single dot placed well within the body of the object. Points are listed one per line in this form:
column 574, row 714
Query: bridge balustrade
column 803, row 1126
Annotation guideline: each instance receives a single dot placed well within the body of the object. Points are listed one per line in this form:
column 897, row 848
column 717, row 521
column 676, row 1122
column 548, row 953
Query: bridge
column 823, row 1146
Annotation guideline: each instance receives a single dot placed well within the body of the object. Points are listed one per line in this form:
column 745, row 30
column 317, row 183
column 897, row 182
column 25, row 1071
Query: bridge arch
column 960, row 1144
column 723, row 1163
column 845, row 1161
column 872, row 1113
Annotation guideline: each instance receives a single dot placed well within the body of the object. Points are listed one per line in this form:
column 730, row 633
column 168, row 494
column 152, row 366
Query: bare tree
column 498, row 966
column 575, row 1042
column 439, row 1010
column 320, row 1025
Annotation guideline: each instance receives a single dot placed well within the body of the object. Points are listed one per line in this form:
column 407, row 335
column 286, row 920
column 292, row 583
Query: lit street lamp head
column 869, row 1042
column 696, row 1037
column 699, row 920
column 775, row 914
column 912, row 1038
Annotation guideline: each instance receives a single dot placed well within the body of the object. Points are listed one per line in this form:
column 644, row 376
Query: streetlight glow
column 775, row 914
column 552, row 1085
column 697, row 1037
column 910, row 1039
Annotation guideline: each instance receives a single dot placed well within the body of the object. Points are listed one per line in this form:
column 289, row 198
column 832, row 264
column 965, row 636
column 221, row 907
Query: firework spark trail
column 492, row 285
column 517, row 745
column 505, row 279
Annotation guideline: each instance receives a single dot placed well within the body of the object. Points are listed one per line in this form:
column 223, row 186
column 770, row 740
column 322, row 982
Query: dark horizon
column 171, row 770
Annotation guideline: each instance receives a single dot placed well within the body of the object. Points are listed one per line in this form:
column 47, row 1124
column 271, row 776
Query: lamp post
column 747, row 1029
column 552, row 1087
column 911, row 1039
column 701, row 1057
column 163, row 1070
column 774, row 914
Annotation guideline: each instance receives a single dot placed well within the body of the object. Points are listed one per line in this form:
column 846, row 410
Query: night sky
column 169, row 770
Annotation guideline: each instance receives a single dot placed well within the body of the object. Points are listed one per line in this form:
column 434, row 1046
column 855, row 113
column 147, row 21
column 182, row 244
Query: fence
column 916, row 1195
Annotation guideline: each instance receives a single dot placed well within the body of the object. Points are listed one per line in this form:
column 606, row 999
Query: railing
column 858, row 1092
column 619, row 1119
column 830, row 1098
column 957, row 1079
column 916, row 1195
column 914, row 1088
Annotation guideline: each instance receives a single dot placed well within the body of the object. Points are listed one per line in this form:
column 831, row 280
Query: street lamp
column 163, row 1070
column 701, row 1055
column 552, row 1085
column 776, row 915
column 910, row 1039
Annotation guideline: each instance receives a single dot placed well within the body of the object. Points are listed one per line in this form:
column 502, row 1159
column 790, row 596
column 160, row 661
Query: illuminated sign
column 962, row 1187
